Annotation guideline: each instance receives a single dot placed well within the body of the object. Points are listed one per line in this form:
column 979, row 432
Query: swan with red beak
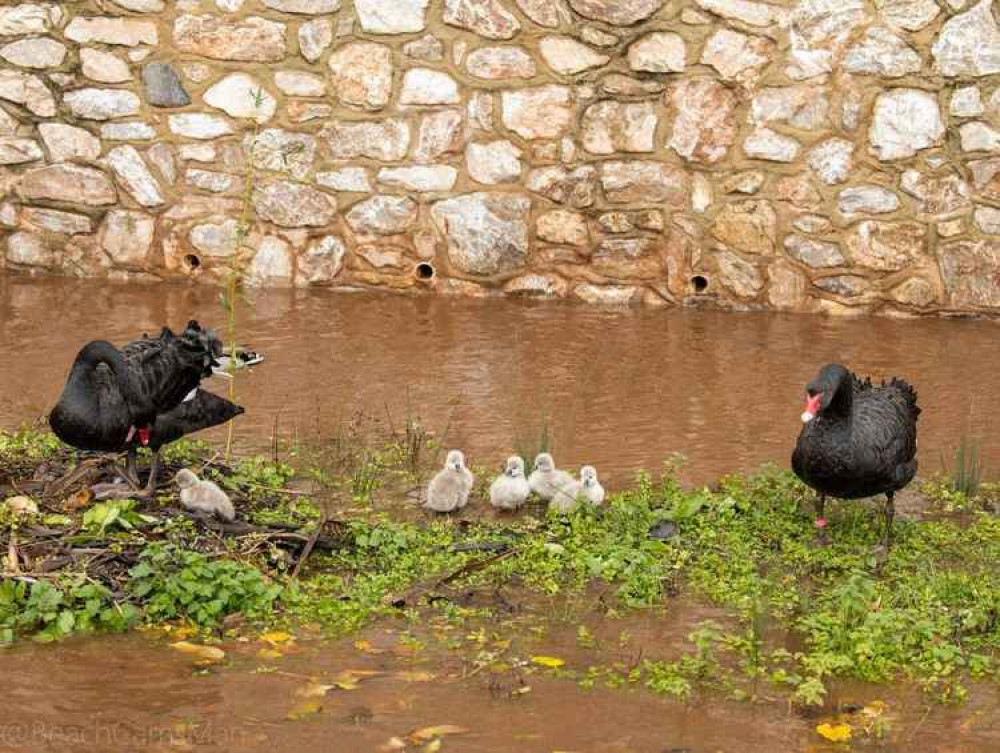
column 857, row 440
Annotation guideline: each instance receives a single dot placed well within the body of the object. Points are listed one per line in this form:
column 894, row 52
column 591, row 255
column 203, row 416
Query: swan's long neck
column 843, row 399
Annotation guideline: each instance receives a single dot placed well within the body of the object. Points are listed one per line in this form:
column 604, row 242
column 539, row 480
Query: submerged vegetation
column 792, row 616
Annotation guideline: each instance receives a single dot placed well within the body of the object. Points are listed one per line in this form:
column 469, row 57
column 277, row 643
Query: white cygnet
column 545, row 480
column 510, row 489
column 204, row 496
column 590, row 488
column 587, row 489
column 449, row 489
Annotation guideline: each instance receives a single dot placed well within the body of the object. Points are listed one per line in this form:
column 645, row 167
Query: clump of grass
column 529, row 447
column 966, row 473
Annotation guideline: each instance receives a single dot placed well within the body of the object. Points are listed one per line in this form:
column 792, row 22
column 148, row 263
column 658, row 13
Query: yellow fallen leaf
column 183, row 632
column 874, row 709
column 551, row 662
column 277, row 637
column 836, row 733
column 308, row 707
column 433, row 746
column 367, row 647
column 349, row 678
column 523, row 690
column 426, row 734
column 314, row 690
column 205, row 653
column 414, row 676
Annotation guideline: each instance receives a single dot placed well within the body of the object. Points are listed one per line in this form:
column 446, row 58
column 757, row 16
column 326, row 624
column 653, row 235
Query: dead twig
column 307, row 549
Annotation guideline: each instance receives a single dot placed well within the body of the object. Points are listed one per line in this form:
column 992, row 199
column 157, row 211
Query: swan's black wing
column 885, row 436
column 166, row 369
column 202, row 411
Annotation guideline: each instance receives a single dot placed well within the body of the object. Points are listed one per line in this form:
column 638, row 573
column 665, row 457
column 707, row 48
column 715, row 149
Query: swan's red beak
column 812, row 407
column 144, row 436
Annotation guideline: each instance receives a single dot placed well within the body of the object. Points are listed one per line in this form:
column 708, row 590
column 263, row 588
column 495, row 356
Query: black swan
column 859, row 439
column 202, row 410
column 114, row 397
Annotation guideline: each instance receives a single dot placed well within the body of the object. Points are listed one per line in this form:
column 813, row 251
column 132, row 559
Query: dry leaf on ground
column 203, row 653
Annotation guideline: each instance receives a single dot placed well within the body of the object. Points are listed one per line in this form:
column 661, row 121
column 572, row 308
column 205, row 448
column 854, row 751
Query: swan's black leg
column 133, row 467
column 820, row 521
column 890, row 513
column 154, row 470
column 117, row 489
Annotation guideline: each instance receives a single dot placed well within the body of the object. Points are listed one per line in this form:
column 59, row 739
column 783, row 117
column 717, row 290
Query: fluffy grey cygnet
column 510, row 489
column 545, row 480
column 204, row 496
column 449, row 489
column 587, row 489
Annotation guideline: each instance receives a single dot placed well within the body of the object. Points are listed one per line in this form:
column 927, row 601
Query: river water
column 619, row 389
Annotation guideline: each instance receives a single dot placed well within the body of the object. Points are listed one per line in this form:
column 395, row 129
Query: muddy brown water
column 132, row 693
column 621, row 389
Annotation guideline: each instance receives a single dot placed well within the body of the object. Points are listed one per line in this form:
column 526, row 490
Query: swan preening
column 858, row 440
column 145, row 393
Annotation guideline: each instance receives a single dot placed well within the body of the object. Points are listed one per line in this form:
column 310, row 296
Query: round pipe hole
column 192, row 261
column 699, row 283
column 424, row 271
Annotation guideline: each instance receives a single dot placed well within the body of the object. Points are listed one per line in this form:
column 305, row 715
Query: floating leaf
column 433, row 746
column 426, row 734
column 394, row 743
column 367, row 647
column 314, row 690
column 204, row 653
column 349, row 678
column 308, row 707
column 551, row 662
column 836, row 733
column 414, row 676
column 269, row 653
column 277, row 637
column 874, row 709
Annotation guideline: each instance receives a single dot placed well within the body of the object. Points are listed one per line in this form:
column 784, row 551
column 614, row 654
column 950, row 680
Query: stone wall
column 818, row 155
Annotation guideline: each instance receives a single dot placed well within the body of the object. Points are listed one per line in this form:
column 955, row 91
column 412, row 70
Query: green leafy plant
column 50, row 611
column 114, row 514
column 174, row 584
